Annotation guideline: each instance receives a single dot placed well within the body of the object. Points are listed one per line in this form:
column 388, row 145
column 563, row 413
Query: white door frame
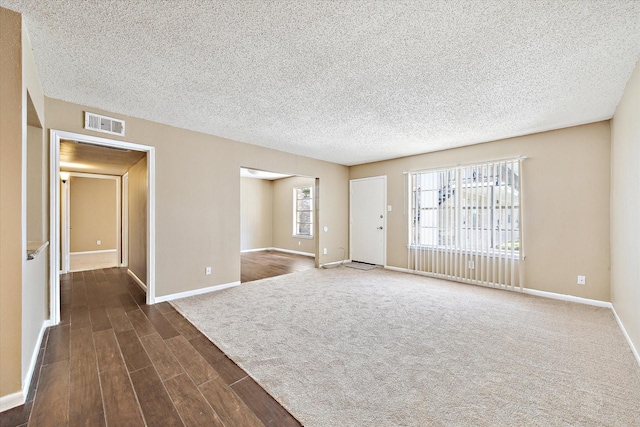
column 124, row 256
column 54, row 228
column 384, row 234
column 65, row 227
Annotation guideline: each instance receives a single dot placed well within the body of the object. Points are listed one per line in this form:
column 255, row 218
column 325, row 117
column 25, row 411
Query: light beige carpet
column 344, row 347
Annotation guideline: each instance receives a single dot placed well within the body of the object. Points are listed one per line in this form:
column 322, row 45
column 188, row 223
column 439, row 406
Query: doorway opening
column 77, row 156
column 279, row 223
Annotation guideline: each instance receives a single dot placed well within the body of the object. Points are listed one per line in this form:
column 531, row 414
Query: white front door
column 368, row 220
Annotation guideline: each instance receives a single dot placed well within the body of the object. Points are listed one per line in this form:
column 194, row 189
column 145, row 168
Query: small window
column 303, row 211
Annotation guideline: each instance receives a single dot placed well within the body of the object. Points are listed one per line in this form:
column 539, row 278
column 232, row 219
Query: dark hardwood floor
column 263, row 264
column 115, row 361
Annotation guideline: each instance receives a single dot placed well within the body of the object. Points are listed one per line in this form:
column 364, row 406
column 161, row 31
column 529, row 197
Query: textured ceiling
column 344, row 81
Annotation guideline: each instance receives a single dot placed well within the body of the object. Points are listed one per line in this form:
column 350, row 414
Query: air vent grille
column 103, row 124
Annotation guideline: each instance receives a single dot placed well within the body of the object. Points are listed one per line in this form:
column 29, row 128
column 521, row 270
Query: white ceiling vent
column 103, row 124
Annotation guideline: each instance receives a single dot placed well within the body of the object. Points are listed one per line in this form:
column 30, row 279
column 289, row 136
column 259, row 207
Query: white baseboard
column 137, row 280
column 16, row 399
column 570, row 298
column 327, row 264
column 256, row 250
column 11, row 401
column 289, row 251
column 93, row 252
column 626, row 335
column 196, row 292
column 34, row 358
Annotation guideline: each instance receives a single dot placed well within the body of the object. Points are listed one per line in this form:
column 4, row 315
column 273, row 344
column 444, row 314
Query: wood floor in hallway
column 115, row 361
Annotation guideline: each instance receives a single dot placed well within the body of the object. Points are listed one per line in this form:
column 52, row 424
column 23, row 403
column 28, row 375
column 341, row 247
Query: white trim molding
column 102, row 251
column 137, row 280
column 34, row 358
column 288, row 251
column 18, row 398
column 54, row 226
column 327, row 264
column 626, row 335
column 12, row 400
column 564, row 297
column 200, row 291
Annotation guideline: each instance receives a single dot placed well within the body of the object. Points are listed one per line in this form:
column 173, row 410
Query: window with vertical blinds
column 464, row 222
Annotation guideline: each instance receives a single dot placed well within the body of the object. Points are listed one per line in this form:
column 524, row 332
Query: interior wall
column 23, row 286
column 138, row 190
column 283, row 237
column 198, row 196
column 11, row 246
column 37, row 185
column 256, row 210
column 93, row 214
column 35, row 274
column 625, row 208
column 565, row 197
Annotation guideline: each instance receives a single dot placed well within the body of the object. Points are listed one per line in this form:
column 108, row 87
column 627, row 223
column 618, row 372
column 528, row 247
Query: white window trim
column 295, row 212
column 458, row 249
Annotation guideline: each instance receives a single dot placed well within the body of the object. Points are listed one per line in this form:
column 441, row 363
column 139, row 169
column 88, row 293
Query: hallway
column 115, row 361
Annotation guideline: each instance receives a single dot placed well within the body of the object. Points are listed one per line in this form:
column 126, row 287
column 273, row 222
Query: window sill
column 302, row 236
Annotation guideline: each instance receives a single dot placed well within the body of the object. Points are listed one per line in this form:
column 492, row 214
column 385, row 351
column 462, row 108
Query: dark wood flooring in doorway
column 115, row 361
column 262, row 264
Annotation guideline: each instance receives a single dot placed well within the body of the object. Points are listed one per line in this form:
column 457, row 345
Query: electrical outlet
column 99, row 242
column 207, row 271
column 471, row 264
column 582, row 280
column 299, row 243
column 324, row 251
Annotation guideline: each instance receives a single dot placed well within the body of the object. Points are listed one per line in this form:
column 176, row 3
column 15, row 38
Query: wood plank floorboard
column 194, row 410
column 264, row 264
column 233, row 412
column 228, row 371
column 263, row 405
column 115, row 361
column 156, row 404
column 120, row 404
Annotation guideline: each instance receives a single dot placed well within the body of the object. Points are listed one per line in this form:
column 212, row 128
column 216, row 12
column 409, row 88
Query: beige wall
column 92, row 214
column 19, row 328
column 625, row 208
column 565, row 197
column 35, row 274
column 11, row 248
column 37, row 186
column 283, row 215
column 137, row 201
column 256, row 201
column 198, row 196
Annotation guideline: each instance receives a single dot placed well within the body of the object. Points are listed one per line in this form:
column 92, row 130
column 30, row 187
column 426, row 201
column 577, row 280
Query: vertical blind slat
column 465, row 223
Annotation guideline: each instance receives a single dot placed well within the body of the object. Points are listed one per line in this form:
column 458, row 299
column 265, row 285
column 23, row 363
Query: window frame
column 296, row 229
column 458, row 211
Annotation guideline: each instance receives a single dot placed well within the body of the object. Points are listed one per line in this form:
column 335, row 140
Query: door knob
column 380, row 228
